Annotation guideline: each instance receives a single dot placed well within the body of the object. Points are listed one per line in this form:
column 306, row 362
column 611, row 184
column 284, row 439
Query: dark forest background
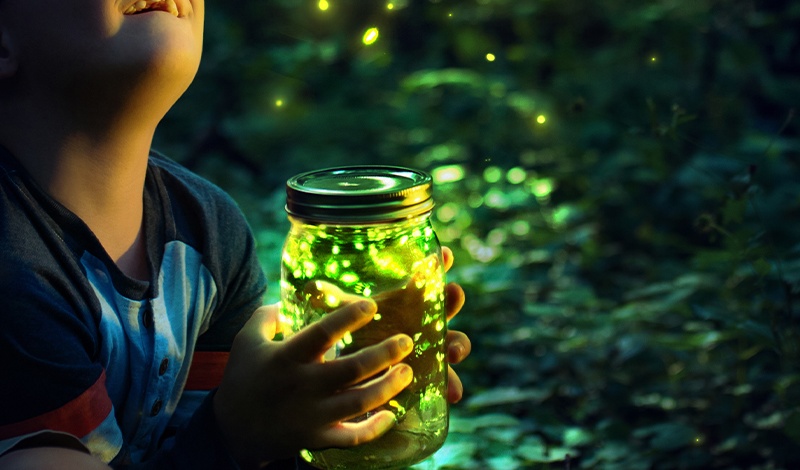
column 619, row 180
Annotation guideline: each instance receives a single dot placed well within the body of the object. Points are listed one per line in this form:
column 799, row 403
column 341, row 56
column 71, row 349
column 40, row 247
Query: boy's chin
column 156, row 71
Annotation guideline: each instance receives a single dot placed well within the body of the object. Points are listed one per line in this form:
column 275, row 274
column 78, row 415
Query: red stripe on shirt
column 78, row 417
column 206, row 371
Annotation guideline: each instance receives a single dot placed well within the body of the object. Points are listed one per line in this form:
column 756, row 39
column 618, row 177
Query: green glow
column 349, row 278
column 448, row 174
column 310, row 268
column 521, row 228
column 496, row 198
column 542, row 188
column 497, row 237
column 331, row 300
column 371, row 261
column 447, row 212
column 490, row 57
column 541, row 119
column 370, row 36
column 492, row 174
column 516, row 175
column 400, row 410
column 561, row 215
column 323, row 5
column 332, row 268
column 306, row 455
column 475, row 200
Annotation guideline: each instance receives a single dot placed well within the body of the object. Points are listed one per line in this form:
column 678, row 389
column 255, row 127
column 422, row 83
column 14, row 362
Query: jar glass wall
column 399, row 264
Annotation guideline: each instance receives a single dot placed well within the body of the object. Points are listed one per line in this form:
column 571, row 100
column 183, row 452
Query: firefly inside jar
column 366, row 231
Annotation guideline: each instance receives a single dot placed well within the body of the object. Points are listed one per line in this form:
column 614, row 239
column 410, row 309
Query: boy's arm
column 47, row 458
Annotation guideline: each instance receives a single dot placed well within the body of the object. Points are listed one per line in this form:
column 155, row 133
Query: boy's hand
column 279, row 397
column 457, row 343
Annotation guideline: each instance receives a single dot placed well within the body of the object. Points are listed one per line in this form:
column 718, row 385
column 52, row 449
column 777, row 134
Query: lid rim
column 360, row 193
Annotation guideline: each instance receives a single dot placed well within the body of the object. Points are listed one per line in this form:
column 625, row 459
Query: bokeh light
column 521, row 228
column 371, row 36
column 448, row 174
column 491, row 57
column 447, row 212
column 542, row 188
column 323, row 5
column 492, row 174
column 516, row 175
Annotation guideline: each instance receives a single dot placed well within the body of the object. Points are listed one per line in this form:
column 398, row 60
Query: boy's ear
column 8, row 57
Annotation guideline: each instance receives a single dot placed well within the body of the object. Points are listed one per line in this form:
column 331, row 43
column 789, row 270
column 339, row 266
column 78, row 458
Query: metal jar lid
column 359, row 194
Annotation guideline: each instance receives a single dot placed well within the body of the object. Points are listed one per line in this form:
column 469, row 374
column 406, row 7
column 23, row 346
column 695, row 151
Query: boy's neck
column 100, row 179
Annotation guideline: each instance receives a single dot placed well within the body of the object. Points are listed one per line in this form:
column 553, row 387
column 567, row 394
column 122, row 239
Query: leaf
column 539, row 309
column 508, row 436
column 503, row 462
column 507, row 395
column 457, row 455
column 758, row 331
column 792, row 426
column 468, row 425
column 667, row 436
column 762, row 267
column 434, row 78
column 733, row 211
column 535, row 450
column 576, row 437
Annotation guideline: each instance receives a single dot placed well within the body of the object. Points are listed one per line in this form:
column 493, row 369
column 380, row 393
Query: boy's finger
column 454, row 299
column 447, row 257
column 265, row 322
column 355, row 368
column 458, row 346
column 455, row 389
column 353, row 434
column 356, row 401
column 326, row 296
column 310, row 343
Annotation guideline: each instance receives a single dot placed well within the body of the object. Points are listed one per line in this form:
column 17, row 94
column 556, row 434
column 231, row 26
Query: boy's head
column 79, row 50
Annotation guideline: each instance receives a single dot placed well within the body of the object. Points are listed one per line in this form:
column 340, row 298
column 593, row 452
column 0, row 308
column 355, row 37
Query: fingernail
column 366, row 307
column 405, row 370
column 455, row 353
column 405, row 343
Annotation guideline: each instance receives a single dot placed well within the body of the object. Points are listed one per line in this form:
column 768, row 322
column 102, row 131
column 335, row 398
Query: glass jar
column 366, row 231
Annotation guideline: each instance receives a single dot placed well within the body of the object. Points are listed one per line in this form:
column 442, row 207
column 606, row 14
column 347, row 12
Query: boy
column 116, row 264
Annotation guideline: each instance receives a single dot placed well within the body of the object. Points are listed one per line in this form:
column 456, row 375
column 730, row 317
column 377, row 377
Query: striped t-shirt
column 92, row 353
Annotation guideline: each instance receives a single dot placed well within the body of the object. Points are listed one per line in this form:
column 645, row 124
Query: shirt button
column 147, row 316
column 162, row 369
column 156, row 408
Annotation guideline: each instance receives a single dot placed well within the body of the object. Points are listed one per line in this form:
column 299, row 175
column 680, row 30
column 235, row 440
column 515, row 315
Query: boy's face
column 105, row 45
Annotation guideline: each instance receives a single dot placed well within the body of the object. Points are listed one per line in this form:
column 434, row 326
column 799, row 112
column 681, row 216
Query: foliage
column 620, row 185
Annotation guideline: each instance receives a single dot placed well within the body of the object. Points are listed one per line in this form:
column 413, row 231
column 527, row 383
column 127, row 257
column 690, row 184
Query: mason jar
column 366, row 231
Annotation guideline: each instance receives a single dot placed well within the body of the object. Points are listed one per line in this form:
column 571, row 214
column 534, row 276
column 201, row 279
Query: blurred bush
column 619, row 181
